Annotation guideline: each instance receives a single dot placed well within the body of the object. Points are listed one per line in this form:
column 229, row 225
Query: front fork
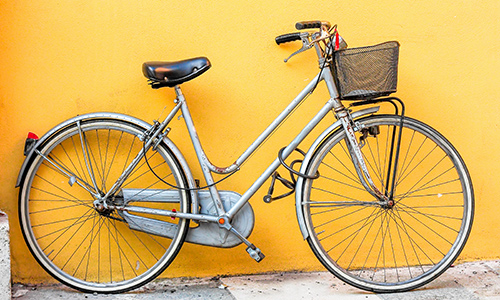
column 357, row 157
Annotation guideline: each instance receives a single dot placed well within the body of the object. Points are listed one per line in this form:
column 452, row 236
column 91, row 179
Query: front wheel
column 388, row 248
column 80, row 244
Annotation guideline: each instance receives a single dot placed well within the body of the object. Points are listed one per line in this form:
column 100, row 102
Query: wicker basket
column 367, row 72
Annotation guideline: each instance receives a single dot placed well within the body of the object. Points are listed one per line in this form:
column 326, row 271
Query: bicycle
column 385, row 202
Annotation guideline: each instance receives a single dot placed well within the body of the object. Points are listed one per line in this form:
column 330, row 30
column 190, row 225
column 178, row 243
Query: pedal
column 255, row 253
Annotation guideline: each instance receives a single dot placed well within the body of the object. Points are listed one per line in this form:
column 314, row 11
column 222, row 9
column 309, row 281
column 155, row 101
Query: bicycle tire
column 85, row 249
column 383, row 249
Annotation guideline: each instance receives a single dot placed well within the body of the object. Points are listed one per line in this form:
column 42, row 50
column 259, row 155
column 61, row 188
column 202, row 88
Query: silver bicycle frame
column 207, row 167
column 333, row 104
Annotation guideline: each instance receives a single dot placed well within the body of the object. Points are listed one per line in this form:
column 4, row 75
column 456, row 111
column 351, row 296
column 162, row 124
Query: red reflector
column 31, row 135
column 173, row 210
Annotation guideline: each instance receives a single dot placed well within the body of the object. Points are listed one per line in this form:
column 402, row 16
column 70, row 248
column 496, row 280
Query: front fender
column 307, row 158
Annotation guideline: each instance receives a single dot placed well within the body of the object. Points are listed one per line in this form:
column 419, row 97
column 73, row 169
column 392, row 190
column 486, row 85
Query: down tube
column 276, row 163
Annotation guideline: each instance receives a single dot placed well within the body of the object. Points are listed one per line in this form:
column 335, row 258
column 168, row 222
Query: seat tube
column 200, row 153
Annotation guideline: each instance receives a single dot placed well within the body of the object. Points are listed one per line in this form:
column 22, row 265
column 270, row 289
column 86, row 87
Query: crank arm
column 253, row 251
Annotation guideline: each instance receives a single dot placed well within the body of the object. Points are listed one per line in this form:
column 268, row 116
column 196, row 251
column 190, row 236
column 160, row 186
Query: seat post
column 178, row 92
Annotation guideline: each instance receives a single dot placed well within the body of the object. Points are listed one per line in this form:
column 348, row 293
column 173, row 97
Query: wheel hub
column 101, row 208
column 389, row 204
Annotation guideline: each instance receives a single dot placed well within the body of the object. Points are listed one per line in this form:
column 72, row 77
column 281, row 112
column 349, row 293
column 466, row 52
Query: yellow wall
column 62, row 58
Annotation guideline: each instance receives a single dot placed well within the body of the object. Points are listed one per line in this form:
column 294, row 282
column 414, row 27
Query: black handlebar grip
column 307, row 25
column 289, row 37
column 311, row 24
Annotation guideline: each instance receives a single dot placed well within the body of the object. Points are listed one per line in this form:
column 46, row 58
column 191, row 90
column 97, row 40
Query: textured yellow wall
column 63, row 58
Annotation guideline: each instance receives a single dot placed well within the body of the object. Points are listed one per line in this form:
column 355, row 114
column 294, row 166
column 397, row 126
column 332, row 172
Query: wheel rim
column 80, row 246
column 388, row 249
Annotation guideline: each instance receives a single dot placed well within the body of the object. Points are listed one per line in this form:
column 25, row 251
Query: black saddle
column 173, row 73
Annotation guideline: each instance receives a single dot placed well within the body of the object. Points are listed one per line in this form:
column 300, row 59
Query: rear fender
column 110, row 116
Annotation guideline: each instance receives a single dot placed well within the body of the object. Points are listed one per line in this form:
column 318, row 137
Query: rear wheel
column 89, row 248
column 389, row 248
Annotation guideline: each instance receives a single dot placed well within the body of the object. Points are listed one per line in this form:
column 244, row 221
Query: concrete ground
column 476, row 280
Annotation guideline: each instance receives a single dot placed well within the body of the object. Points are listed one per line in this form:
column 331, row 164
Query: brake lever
column 304, row 36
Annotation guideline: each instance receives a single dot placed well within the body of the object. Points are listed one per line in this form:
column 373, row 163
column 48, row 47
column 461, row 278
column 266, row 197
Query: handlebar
column 328, row 35
column 296, row 36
